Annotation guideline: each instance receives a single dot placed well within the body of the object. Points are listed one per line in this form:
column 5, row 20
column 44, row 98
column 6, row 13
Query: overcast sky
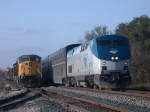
column 43, row 26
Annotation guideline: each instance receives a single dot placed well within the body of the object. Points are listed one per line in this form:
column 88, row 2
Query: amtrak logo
column 114, row 52
column 85, row 61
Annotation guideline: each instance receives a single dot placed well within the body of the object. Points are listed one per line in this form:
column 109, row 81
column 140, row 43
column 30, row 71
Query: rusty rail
column 91, row 102
column 60, row 102
column 128, row 92
column 5, row 103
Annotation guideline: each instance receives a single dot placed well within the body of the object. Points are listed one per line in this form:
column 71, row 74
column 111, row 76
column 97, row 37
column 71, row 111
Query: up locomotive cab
column 28, row 71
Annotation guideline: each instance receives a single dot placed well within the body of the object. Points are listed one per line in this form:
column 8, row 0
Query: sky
column 42, row 27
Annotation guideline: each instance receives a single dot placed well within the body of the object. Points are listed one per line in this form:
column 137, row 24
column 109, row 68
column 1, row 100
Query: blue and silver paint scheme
column 103, row 61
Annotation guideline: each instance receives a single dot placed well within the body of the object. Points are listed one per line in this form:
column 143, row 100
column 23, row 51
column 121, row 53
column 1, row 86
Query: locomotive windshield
column 35, row 58
column 29, row 58
column 104, row 43
column 24, row 58
column 120, row 42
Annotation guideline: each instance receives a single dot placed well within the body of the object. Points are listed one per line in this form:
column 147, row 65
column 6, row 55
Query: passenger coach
column 54, row 66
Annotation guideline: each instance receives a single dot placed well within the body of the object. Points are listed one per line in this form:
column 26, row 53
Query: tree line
column 138, row 32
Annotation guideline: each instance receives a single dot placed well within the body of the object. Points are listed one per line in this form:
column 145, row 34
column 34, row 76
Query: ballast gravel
column 135, row 104
column 39, row 105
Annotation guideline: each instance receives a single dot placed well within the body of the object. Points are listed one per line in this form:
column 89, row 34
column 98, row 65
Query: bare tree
column 96, row 32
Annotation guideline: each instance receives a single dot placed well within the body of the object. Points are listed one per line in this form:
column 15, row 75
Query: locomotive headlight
column 116, row 58
column 112, row 58
column 104, row 63
column 125, row 63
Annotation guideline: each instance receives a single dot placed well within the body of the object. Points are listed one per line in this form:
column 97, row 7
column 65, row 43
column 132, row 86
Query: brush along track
column 14, row 100
column 78, row 103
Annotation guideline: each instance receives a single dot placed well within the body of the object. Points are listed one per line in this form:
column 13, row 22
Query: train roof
column 77, row 49
column 110, row 37
column 66, row 49
column 29, row 55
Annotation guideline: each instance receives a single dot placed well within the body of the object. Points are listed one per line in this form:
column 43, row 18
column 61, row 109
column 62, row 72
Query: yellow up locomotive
column 27, row 70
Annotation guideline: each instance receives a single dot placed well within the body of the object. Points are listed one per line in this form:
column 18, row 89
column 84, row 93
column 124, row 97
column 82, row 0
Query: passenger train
column 103, row 62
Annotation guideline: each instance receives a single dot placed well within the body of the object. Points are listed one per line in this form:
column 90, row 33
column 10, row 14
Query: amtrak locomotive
column 103, row 62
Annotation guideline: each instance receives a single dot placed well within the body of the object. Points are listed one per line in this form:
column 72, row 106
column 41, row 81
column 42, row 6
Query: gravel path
column 135, row 104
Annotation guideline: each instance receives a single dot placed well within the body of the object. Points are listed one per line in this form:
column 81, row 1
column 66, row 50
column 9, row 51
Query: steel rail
column 92, row 102
column 136, row 94
column 7, row 104
column 59, row 102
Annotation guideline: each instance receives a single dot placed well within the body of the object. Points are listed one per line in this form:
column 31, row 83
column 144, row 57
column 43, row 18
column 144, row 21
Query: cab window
column 120, row 42
column 104, row 43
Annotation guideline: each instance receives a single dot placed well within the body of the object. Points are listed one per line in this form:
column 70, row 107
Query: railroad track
column 139, row 92
column 107, row 97
column 143, row 94
column 77, row 104
column 10, row 102
column 72, row 103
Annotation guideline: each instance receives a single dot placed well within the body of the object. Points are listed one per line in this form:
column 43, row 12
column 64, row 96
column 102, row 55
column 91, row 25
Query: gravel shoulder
column 135, row 104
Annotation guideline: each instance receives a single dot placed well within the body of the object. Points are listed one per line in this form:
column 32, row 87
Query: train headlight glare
column 112, row 58
column 116, row 58
column 125, row 63
column 104, row 63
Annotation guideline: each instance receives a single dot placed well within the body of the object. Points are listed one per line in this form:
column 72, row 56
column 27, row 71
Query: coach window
column 61, row 55
column 56, row 57
column 64, row 54
column 61, row 71
column 70, row 69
